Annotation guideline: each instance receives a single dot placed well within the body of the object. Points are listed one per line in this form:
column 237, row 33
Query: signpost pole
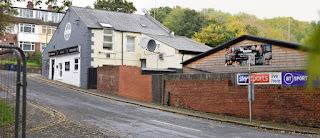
column 249, row 87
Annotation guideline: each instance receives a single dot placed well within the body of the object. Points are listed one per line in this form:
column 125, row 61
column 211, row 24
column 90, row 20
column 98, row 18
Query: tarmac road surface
column 127, row 120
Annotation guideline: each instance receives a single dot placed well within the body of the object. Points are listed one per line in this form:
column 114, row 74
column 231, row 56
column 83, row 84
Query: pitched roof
column 182, row 43
column 120, row 21
column 241, row 38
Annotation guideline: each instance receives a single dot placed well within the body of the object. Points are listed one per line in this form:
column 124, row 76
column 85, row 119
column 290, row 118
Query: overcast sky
column 305, row 10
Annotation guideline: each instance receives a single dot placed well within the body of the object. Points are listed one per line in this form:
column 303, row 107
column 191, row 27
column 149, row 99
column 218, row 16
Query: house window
column 26, row 46
column 26, row 13
column 108, row 40
column 67, row 66
column 43, row 46
column 38, row 14
column 54, row 17
column 44, row 16
column 143, row 63
column 27, row 28
column 130, row 44
column 76, row 64
column 60, row 16
column 11, row 43
column 48, row 30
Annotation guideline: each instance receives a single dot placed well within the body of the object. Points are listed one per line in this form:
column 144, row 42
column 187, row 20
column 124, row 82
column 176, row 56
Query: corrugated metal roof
column 119, row 21
column 181, row 43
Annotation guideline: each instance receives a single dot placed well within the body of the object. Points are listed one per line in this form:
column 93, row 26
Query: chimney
column 49, row 7
column 30, row 5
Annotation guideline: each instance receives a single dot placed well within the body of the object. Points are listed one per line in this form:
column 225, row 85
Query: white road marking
column 175, row 125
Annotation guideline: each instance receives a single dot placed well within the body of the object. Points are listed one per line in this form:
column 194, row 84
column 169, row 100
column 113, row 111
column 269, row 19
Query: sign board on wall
column 238, row 56
column 294, row 78
column 260, row 78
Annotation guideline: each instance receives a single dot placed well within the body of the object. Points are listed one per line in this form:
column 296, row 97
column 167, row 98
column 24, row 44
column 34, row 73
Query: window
column 38, row 14
column 143, row 63
column 26, row 46
column 48, row 30
column 60, row 16
column 130, row 44
column 12, row 30
column 26, row 13
column 43, row 46
column 67, row 66
column 54, row 17
column 108, row 40
column 76, row 64
column 11, row 43
column 44, row 16
column 28, row 28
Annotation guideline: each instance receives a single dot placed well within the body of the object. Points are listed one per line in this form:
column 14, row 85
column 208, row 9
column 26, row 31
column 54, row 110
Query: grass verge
column 6, row 113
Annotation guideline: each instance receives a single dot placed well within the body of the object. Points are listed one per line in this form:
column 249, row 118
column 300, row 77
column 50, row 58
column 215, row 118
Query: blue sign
column 243, row 79
column 294, row 78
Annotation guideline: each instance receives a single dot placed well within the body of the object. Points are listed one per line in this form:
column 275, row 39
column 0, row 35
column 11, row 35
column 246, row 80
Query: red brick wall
column 10, row 38
column 108, row 79
column 133, row 84
column 272, row 103
column 126, row 81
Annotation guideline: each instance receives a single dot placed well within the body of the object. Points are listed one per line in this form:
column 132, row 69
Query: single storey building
column 88, row 38
column 269, row 55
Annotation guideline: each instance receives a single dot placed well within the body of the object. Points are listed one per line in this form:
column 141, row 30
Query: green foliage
column 26, row 52
column 214, row 34
column 184, row 21
column 6, row 113
column 161, row 13
column 37, row 57
column 312, row 46
column 115, row 5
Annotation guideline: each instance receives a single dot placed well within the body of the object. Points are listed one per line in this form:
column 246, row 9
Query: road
column 127, row 120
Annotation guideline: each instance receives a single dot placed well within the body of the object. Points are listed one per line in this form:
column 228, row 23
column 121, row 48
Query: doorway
column 52, row 69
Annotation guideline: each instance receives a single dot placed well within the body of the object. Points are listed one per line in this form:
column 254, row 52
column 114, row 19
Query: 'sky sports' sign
column 260, row 78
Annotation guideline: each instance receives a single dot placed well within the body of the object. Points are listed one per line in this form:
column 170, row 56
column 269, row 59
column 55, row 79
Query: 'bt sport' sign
column 260, row 78
column 294, row 78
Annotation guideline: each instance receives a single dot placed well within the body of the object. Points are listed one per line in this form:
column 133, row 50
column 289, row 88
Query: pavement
column 269, row 126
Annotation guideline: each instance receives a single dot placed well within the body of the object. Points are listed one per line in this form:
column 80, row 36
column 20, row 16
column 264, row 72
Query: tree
column 215, row 35
column 115, row 5
column 183, row 21
column 7, row 13
column 312, row 46
column 161, row 13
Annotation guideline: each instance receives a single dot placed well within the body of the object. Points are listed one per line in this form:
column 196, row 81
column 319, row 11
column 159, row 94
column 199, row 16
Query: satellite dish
column 152, row 45
column 144, row 42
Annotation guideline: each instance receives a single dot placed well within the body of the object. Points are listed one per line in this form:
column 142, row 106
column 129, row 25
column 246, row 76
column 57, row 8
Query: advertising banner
column 260, row 78
column 294, row 78
column 238, row 56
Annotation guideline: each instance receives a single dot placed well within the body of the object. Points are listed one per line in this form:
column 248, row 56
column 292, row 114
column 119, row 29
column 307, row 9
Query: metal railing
column 12, row 117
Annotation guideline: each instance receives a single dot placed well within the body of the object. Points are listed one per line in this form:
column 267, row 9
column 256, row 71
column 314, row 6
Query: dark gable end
column 241, row 38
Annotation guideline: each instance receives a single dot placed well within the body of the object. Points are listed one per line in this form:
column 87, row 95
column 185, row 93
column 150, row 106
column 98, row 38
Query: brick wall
column 133, row 84
column 291, row 105
column 108, row 79
column 126, row 81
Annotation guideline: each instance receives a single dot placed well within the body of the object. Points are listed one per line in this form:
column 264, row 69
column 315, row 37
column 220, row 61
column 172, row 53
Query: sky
column 304, row 10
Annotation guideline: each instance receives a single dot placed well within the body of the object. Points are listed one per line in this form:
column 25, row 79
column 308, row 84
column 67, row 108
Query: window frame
column 133, row 44
column 51, row 28
column 22, row 27
column 21, row 45
column 76, row 64
column 112, row 35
